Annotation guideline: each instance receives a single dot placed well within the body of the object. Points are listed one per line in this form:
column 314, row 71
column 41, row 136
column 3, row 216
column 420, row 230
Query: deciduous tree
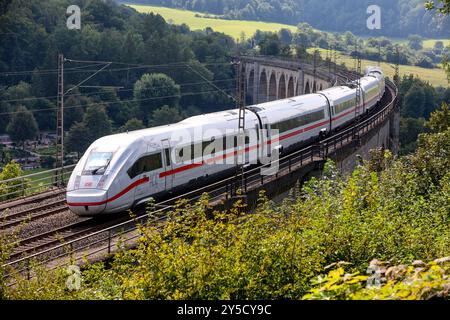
column 23, row 126
column 153, row 91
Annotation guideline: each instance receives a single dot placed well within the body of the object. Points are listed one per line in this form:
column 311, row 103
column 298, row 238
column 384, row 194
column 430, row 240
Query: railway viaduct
column 269, row 79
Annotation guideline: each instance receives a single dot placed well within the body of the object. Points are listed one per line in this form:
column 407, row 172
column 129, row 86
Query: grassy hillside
column 427, row 44
column 436, row 77
column 232, row 28
column 430, row 43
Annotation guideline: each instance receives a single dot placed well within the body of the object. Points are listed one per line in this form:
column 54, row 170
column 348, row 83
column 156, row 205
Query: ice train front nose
column 87, row 201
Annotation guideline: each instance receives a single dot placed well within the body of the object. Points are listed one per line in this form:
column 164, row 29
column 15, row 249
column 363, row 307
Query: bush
column 10, row 190
column 418, row 281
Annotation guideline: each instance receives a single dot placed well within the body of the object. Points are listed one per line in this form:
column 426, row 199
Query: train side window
column 146, row 164
column 180, row 155
column 206, row 144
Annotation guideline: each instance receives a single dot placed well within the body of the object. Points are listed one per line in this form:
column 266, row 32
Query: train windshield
column 97, row 163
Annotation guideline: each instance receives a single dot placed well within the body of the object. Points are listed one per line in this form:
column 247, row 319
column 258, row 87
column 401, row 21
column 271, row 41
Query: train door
column 146, row 172
column 265, row 138
column 363, row 100
column 168, row 163
column 252, row 143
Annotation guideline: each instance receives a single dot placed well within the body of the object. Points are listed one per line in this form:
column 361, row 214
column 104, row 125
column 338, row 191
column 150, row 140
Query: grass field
column 430, row 43
column 427, row 44
column 232, row 28
column 436, row 77
column 44, row 179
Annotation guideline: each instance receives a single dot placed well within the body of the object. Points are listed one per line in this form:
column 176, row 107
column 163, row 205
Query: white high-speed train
column 120, row 171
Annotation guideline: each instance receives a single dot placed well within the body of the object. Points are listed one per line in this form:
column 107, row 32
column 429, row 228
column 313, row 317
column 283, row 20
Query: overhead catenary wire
column 47, row 71
column 77, row 69
column 203, row 77
column 118, row 90
column 88, row 78
column 113, row 102
column 106, row 64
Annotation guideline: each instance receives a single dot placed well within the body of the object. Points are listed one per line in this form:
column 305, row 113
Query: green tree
column 446, row 66
column 165, row 115
column 414, row 102
column 439, row 45
column 97, row 122
column 432, row 159
column 410, row 128
column 132, row 125
column 11, row 190
column 443, row 6
column 350, row 39
column 118, row 111
column 133, row 48
column 415, row 42
column 78, row 139
column 5, row 109
column 74, row 107
column 23, row 126
column 45, row 114
column 270, row 45
column 153, row 91
column 440, row 119
column 285, row 36
column 22, row 90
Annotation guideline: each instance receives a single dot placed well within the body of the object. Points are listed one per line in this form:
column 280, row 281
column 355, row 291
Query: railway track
column 17, row 203
column 27, row 215
column 54, row 237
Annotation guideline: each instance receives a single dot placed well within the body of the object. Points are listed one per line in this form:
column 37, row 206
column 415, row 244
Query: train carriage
column 120, row 171
column 295, row 121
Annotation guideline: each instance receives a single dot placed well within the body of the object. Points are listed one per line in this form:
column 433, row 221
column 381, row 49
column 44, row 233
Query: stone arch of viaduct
column 271, row 80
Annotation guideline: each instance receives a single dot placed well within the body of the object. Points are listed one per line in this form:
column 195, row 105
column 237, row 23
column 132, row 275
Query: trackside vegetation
column 327, row 240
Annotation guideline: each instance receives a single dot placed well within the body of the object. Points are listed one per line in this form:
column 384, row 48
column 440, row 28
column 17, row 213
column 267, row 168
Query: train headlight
column 77, row 183
column 102, row 182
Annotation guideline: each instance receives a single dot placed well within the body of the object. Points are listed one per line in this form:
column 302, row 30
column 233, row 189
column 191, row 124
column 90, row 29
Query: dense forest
column 400, row 18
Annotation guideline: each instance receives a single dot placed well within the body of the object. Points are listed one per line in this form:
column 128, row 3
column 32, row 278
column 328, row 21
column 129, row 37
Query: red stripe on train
column 117, row 196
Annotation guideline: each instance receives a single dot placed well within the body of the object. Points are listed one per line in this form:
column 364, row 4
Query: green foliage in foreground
column 417, row 281
column 389, row 210
column 10, row 190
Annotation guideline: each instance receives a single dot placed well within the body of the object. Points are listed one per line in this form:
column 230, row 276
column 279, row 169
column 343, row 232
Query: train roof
column 337, row 90
column 212, row 120
column 376, row 69
column 219, row 116
column 311, row 100
column 128, row 138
